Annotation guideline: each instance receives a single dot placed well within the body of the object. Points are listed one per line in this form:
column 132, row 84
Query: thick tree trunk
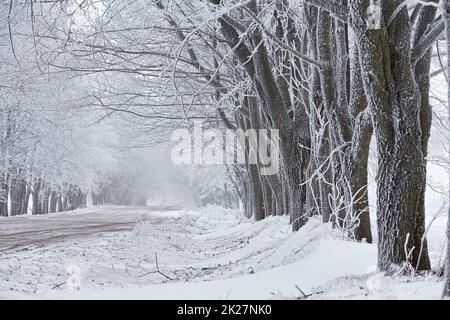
column 358, row 157
column 385, row 57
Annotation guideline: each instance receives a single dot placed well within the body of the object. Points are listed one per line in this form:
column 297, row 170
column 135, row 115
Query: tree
column 389, row 70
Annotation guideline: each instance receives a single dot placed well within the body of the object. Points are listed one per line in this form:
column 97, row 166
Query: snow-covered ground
column 209, row 253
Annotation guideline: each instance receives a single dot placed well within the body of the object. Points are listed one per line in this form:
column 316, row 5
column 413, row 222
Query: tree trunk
column 53, row 200
column 4, row 190
column 26, row 200
column 59, row 202
column 258, row 193
column 45, row 202
column 248, row 209
column 274, row 184
column 17, row 196
column 35, row 196
column 358, row 157
column 385, row 58
column 65, row 204
column 358, row 177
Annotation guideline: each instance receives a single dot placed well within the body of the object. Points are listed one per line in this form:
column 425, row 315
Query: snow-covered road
column 24, row 231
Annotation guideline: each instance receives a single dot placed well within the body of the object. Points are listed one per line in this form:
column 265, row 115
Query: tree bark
column 358, row 156
column 389, row 83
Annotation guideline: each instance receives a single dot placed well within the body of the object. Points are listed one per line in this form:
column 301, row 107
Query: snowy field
column 210, row 253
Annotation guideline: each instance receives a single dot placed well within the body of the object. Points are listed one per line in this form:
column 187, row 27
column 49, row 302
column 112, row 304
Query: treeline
column 24, row 198
column 329, row 75
column 31, row 181
column 320, row 72
column 329, row 81
column 124, row 187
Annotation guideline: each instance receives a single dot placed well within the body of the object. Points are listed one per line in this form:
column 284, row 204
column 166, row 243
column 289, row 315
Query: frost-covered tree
column 395, row 72
column 46, row 144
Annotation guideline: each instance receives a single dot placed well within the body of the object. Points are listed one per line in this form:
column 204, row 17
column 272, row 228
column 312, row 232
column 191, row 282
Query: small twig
column 57, row 285
column 146, row 274
column 159, row 271
column 176, row 246
column 126, row 270
column 301, row 291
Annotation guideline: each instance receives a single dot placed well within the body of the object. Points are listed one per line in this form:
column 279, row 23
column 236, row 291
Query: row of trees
column 37, row 169
column 330, row 75
column 50, row 154
column 314, row 70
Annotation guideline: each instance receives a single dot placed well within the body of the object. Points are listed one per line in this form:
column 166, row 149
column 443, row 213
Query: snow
column 207, row 253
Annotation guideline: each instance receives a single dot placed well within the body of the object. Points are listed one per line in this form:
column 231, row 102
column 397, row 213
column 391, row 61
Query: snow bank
column 209, row 253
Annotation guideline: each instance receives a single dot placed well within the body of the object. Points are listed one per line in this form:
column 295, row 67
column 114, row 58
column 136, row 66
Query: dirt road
column 22, row 231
